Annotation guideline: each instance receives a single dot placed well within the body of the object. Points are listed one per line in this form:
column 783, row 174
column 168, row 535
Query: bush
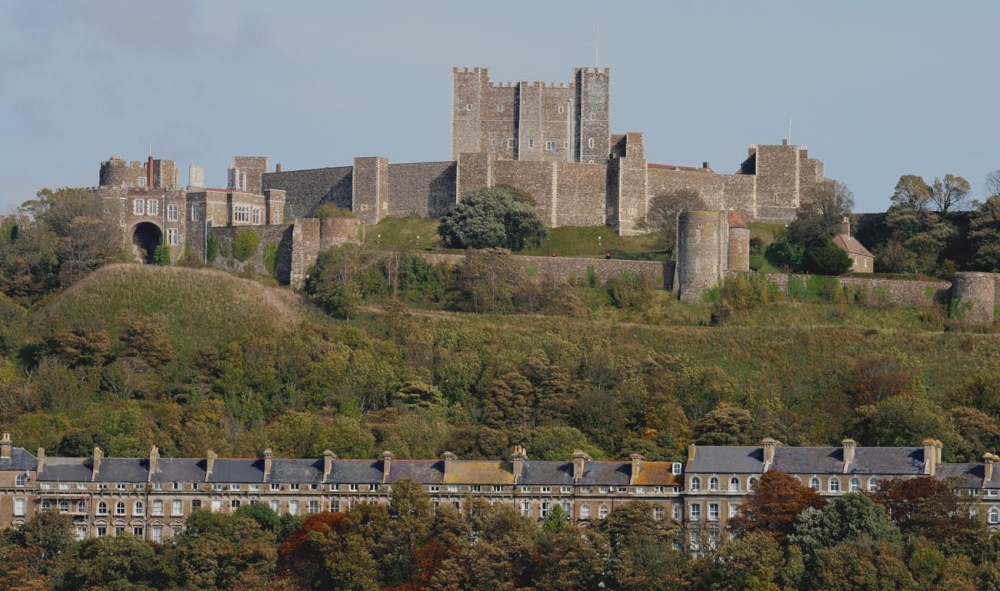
column 212, row 248
column 491, row 218
column 631, row 290
column 271, row 257
column 161, row 256
column 245, row 244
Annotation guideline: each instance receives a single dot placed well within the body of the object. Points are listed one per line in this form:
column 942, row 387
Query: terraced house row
column 152, row 497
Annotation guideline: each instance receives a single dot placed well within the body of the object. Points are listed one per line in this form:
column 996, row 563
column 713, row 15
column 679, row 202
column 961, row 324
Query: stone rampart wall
column 307, row 189
column 660, row 273
column 581, row 194
column 421, row 189
column 893, row 291
column 279, row 235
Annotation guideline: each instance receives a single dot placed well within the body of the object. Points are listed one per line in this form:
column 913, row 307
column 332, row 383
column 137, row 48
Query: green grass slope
column 198, row 308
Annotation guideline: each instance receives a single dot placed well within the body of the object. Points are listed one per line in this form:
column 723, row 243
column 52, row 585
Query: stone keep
column 709, row 245
column 973, row 296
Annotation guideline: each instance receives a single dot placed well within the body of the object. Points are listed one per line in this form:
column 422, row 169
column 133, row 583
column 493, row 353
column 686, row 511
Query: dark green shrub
column 245, row 244
column 271, row 257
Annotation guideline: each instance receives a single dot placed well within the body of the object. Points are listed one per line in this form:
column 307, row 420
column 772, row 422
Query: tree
column 984, row 233
column 918, row 235
column 852, row 518
column 490, row 218
column 949, row 193
column 775, row 503
column 726, row 424
column 824, row 258
column 930, row 507
column 824, row 207
column 663, row 211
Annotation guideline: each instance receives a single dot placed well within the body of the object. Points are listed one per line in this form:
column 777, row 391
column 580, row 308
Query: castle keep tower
column 532, row 121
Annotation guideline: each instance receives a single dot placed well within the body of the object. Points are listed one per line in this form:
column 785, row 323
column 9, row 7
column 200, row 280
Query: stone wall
column 572, row 268
column 422, row 189
column 973, row 297
column 894, row 291
column 581, row 194
column 307, row 189
column 267, row 235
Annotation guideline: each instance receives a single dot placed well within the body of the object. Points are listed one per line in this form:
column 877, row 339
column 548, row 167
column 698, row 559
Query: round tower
column 972, row 297
column 701, row 246
column 739, row 243
column 114, row 172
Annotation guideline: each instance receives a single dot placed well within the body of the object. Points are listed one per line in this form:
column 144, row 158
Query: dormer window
column 20, row 479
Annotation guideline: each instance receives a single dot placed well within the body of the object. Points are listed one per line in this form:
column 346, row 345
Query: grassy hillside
column 198, row 308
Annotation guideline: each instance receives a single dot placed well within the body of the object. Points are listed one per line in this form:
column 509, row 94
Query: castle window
column 499, row 108
column 102, row 530
column 172, row 236
column 152, row 207
column 256, row 216
column 531, row 143
column 565, row 143
column 139, row 207
column 590, row 143
column 512, row 143
column 141, row 181
column 194, row 213
column 550, row 145
column 562, row 109
column 277, row 217
column 172, row 212
column 241, row 213
column 676, row 468
column 493, row 142
column 468, row 106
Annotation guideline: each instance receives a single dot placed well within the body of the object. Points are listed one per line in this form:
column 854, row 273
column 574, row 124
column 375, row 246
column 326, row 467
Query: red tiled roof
column 677, row 167
column 851, row 245
column 735, row 221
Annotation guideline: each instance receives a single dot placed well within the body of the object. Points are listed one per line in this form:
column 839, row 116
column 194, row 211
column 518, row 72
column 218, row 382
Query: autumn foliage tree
column 775, row 503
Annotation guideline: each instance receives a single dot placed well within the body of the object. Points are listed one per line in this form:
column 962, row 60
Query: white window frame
column 584, row 511
column 176, row 508
column 20, row 480
column 152, row 207
column 173, row 236
column 550, row 145
column 694, row 511
column 20, row 506
column 138, row 207
column 157, row 508
column 173, row 212
column 714, row 512
column 713, row 483
column 695, row 484
column 256, row 216
column 734, row 484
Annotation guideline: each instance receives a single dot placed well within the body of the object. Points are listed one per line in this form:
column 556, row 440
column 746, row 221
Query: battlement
column 473, row 70
column 598, row 71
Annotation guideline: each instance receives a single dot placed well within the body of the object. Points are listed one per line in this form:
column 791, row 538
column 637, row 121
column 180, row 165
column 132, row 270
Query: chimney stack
column 41, row 459
column 637, row 460
column 387, row 459
column 849, row 446
column 268, row 459
column 328, row 458
column 692, row 451
column 154, row 456
column 930, row 456
column 449, row 458
column 210, row 458
column 98, row 454
column 149, row 172
column 845, row 226
column 277, row 167
column 6, row 445
column 518, row 458
column 988, row 461
column 770, row 445
column 580, row 459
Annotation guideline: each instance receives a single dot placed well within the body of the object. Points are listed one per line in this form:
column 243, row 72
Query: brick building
column 152, row 497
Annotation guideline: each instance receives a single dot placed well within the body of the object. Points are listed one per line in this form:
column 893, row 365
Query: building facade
column 152, row 497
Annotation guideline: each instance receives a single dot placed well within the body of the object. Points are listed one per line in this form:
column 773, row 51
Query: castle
column 152, row 497
column 554, row 141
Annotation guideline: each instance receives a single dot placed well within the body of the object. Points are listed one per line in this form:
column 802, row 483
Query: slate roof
column 19, row 459
column 607, row 473
column 356, row 472
column 902, row 461
column 66, row 470
column 179, row 470
column 810, row 460
column 557, row 473
column 419, row 471
column 122, row 470
column 966, row 475
column 730, row 459
column 296, row 471
column 231, row 470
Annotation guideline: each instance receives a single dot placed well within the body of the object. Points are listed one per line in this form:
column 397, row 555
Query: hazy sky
column 875, row 89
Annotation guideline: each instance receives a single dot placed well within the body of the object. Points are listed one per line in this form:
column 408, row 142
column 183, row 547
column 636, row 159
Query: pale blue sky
column 875, row 89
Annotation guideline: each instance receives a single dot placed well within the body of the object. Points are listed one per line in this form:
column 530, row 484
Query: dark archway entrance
column 145, row 238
